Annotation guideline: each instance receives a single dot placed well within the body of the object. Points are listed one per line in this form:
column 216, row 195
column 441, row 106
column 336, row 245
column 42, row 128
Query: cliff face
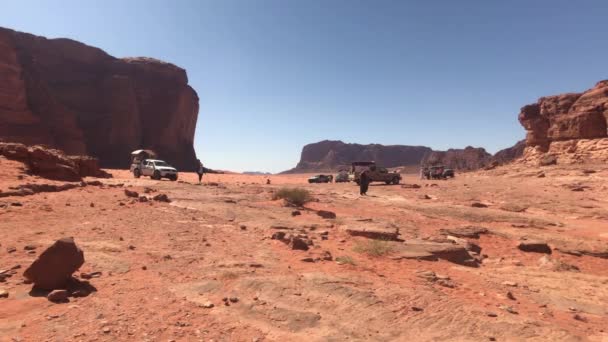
column 573, row 127
column 469, row 158
column 77, row 98
column 567, row 117
column 332, row 155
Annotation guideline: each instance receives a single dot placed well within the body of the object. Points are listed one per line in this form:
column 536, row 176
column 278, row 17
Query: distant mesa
column 77, row 98
column 257, row 173
column 330, row 155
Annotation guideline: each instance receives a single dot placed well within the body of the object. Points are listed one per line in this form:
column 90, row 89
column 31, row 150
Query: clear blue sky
column 274, row 75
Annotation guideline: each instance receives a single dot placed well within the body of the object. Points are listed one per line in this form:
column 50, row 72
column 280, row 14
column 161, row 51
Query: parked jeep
column 375, row 173
column 321, row 179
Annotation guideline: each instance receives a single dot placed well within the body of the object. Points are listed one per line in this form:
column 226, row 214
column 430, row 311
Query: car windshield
column 160, row 163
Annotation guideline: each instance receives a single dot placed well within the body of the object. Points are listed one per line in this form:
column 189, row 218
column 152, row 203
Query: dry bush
column 293, row 196
column 373, row 247
column 345, row 260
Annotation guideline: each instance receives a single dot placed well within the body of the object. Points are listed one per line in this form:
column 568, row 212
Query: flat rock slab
column 389, row 234
column 534, row 246
column 446, row 251
column 471, row 232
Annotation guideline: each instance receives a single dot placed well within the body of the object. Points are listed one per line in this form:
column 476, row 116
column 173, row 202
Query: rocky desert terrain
column 514, row 253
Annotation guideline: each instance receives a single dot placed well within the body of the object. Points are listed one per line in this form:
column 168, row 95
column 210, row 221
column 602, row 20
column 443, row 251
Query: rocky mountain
column 469, row 158
column 573, row 126
column 332, row 155
column 77, row 98
column 508, row 154
column 329, row 155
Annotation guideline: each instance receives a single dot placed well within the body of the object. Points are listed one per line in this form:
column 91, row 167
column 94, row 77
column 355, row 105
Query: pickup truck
column 375, row 173
column 154, row 168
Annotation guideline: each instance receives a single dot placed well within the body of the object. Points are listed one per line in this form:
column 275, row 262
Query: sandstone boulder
column 471, row 232
column 54, row 267
column 534, row 246
column 427, row 250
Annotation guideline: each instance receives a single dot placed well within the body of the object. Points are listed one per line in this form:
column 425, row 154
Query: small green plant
column 345, row 260
column 293, row 196
column 374, row 248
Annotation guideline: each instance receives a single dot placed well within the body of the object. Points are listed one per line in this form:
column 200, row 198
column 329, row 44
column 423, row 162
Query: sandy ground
column 160, row 263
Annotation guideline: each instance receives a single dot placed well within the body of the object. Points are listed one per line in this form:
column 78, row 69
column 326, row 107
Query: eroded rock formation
column 573, row 125
column 77, row 98
column 331, row 155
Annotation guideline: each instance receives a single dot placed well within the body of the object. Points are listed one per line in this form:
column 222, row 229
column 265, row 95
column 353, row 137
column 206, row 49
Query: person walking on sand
column 200, row 171
column 363, row 183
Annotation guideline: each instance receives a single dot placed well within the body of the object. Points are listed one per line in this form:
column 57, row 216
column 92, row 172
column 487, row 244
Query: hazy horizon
column 273, row 76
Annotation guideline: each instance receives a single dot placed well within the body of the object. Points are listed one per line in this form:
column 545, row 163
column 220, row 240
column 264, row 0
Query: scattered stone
column 326, row 214
column 29, row 247
column 411, row 186
column 58, row 296
column 131, row 247
column 385, row 234
column 296, row 213
column 148, row 190
column 491, row 314
column 578, row 317
column 509, row 283
column 243, row 227
column 3, row 294
column 234, row 299
column 106, row 330
column 92, row 205
column 54, row 267
column 308, row 259
column 547, row 160
column 131, row 193
column 534, row 246
column 17, row 204
column 11, row 249
column 278, row 236
column 416, row 308
column 541, row 174
column 297, row 243
column 426, row 250
column 143, row 199
column 424, row 197
column 508, row 309
column 510, row 295
column 471, row 232
column 90, row 275
column 207, row 305
column 478, row 205
column 162, row 198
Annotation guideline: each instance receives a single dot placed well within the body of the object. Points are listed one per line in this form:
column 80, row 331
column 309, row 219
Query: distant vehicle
column 321, row 179
column 144, row 164
column 342, row 177
column 438, row 172
column 376, row 174
column 448, row 173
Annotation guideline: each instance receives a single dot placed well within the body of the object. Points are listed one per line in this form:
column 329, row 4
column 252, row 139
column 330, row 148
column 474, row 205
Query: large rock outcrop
column 332, row 155
column 469, row 158
column 329, row 155
column 567, row 116
column 51, row 163
column 573, row 126
column 77, row 98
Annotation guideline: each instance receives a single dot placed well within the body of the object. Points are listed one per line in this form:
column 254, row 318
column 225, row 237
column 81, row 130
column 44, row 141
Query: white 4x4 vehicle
column 155, row 169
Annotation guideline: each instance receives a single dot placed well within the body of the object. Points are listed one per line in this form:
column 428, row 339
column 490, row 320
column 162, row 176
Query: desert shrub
column 373, row 247
column 345, row 260
column 293, row 196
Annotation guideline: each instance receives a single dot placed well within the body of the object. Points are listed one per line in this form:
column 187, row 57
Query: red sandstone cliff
column 572, row 125
column 79, row 99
